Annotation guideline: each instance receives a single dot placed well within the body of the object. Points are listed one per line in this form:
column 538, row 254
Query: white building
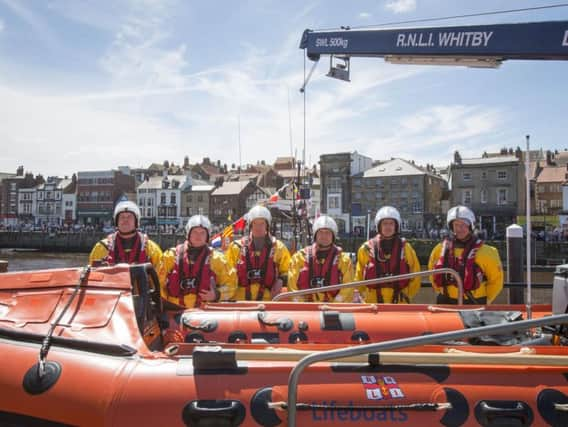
column 159, row 199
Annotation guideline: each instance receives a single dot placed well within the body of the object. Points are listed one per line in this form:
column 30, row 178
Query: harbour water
column 22, row 260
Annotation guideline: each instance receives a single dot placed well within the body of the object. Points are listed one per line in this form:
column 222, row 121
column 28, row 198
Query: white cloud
column 365, row 15
column 401, row 6
column 1, row 25
column 434, row 133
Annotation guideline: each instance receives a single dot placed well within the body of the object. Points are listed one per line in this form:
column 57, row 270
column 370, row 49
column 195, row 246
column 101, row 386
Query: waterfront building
column 9, row 188
column 159, row 199
column 494, row 187
column 417, row 192
column 336, row 174
column 229, row 201
column 98, row 192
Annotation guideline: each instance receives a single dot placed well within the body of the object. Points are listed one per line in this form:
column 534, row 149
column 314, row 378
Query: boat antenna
column 290, row 124
column 529, row 231
column 240, row 158
column 41, row 376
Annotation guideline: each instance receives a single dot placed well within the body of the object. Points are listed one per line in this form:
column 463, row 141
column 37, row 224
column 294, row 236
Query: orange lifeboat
column 76, row 349
column 285, row 322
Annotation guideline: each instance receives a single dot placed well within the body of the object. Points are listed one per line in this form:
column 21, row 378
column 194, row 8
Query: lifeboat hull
column 95, row 390
column 289, row 323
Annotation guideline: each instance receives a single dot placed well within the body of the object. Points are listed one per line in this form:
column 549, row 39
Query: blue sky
column 91, row 85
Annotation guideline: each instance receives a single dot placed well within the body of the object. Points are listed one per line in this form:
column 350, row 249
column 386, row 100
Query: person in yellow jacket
column 261, row 261
column 322, row 264
column 387, row 254
column 194, row 272
column 126, row 244
column 478, row 264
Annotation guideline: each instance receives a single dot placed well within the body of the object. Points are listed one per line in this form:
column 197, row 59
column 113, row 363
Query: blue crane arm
column 537, row 40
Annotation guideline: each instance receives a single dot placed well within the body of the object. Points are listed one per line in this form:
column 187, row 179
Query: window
column 501, row 196
column 189, row 198
column 149, row 212
column 333, row 202
column 483, row 196
column 173, row 199
column 466, row 197
column 334, row 185
column 417, row 206
column 163, row 198
column 501, row 175
column 466, row 176
column 200, row 197
column 484, row 175
column 379, row 182
column 380, row 195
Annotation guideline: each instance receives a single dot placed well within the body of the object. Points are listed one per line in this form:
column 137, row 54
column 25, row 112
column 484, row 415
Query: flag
column 283, row 199
column 240, row 224
column 227, row 232
column 216, row 241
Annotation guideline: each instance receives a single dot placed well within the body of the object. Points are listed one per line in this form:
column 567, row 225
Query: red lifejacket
column 316, row 275
column 379, row 266
column 256, row 269
column 190, row 278
column 465, row 265
column 116, row 253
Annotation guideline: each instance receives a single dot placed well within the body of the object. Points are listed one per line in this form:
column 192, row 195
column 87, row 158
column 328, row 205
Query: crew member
column 477, row 263
column 194, row 272
column 387, row 254
column 322, row 264
column 260, row 259
column 127, row 244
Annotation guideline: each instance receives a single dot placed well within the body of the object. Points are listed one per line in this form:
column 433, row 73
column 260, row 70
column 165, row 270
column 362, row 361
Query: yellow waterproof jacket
column 100, row 251
column 226, row 277
column 487, row 258
column 281, row 260
column 369, row 294
column 345, row 267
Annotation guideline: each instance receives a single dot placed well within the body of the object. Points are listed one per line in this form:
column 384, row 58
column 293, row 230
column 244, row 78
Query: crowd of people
column 258, row 266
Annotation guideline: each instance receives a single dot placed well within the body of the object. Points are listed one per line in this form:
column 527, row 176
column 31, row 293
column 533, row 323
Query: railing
column 380, row 280
column 406, row 342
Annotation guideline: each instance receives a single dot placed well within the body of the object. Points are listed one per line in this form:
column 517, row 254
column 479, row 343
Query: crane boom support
column 537, row 40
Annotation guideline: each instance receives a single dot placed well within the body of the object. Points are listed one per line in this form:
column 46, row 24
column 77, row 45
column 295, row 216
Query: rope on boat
column 258, row 307
column 434, row 309
column 561, row 407
column 374, row 308
column 283, row 406
column 46, row 344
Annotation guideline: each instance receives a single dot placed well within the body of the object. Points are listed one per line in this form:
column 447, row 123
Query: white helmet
column 325, row 221
column 259, row 212
column 198, row 221
column 463, row 213
column 387, row 212
column 126, row 206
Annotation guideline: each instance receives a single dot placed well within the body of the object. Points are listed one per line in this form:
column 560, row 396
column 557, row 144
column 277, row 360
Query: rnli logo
column 381, row 387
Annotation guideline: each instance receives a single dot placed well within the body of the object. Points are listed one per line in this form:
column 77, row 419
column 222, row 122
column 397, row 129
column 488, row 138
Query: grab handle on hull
column 222, row 413
column 503, row 412
column 284, row 324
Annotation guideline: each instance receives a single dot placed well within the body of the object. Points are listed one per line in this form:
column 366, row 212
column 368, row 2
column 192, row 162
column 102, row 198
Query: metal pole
column 387, row 279
column 529, row 232
column 515, row 271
